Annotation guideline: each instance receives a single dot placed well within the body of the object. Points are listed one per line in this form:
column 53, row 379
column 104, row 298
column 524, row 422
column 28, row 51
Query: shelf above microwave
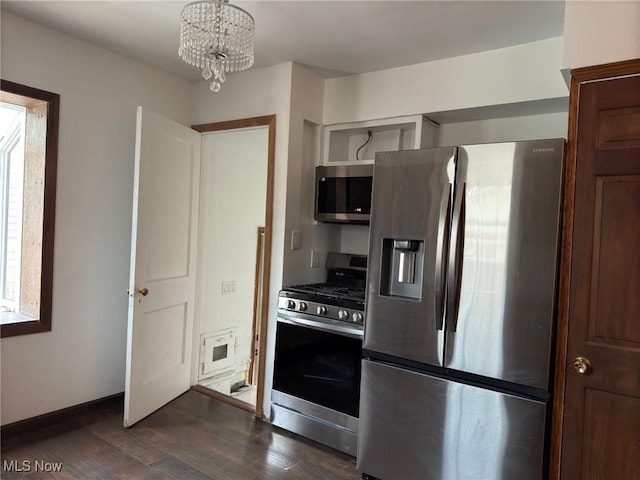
column 342, row 141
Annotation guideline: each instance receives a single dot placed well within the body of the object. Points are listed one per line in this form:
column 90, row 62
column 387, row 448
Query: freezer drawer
column 414, row 426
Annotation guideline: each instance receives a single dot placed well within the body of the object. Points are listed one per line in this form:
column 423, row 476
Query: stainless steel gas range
column 316, row 386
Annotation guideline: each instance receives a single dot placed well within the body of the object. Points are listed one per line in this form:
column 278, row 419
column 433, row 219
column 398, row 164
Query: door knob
column 144, row 291
column 582, row 365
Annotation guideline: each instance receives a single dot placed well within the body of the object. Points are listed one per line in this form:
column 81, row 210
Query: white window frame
column 15, row 135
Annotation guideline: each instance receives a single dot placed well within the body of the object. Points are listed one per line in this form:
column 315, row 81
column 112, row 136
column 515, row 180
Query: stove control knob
column 302, row 307
column 291, row 305
column 343, row 315
column 357, row 317
column 321, row 310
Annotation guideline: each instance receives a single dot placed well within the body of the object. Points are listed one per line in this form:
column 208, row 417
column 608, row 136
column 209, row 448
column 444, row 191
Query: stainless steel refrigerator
column 460, row 309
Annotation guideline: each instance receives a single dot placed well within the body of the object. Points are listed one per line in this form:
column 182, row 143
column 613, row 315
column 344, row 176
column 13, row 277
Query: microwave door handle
column 441, row 252
column 454, row 274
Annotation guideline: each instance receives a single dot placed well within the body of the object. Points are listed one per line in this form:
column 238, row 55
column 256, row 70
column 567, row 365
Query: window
column 28, row 161
column 11, row 199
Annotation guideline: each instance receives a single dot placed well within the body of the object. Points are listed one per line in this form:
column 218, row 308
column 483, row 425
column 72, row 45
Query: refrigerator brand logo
column 545, row 149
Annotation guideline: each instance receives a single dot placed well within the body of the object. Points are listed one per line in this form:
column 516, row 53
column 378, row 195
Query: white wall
column 233, row 189
column 531, row 127
column 517, row 74
column 307, row 92
column 598, row 32
column 354, row 239
column 250, row 94
column 83, row 357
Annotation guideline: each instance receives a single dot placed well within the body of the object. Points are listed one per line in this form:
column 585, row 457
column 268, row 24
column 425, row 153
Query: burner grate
column 330, row 290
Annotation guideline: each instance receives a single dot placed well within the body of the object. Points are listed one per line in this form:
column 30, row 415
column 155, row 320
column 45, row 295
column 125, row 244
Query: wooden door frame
column 579, row 77
column 270, row 122
column 257, row 304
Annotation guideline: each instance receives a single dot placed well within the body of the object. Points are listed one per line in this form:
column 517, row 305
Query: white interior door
column 163, row 259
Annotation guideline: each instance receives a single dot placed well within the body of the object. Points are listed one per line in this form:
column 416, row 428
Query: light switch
column 296, row 239
column 315, row 262
column 228, row 288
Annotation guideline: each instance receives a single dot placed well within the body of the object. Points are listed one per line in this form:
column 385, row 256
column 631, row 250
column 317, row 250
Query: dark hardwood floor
column 193, row 437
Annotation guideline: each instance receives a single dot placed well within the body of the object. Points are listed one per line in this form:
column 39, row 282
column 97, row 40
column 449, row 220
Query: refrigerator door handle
column 454, row 274
column 441, row 252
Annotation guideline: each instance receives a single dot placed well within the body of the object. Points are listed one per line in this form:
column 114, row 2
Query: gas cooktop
column 341, row 297
column 330, row 290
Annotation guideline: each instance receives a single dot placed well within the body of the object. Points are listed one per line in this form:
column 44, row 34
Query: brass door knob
column 144, row 292
column 582, row 365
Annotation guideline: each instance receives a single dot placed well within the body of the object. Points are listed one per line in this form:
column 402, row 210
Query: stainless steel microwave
column 343, row 193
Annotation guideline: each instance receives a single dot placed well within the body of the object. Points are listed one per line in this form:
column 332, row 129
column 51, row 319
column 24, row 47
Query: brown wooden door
column 601, row 423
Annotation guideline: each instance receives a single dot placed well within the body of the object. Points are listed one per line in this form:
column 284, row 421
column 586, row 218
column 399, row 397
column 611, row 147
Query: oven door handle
column 345, row 330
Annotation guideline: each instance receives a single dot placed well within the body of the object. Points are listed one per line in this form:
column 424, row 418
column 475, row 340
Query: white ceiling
column 333, row 37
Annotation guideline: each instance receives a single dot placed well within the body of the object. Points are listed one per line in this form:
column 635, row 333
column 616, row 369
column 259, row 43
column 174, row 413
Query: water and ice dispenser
column 402, row 268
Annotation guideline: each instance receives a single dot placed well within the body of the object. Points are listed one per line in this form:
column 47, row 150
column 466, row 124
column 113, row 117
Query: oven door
column 319, row 363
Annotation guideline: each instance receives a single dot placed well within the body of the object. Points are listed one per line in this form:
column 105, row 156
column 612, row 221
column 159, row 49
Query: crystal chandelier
column 217, row 37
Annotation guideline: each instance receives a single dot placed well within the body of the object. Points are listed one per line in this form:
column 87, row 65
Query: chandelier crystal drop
column 217, row 37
